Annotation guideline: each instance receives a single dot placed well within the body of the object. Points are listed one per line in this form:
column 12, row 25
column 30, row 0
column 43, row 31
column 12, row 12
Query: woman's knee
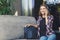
column 43, row 38
column 52, row 37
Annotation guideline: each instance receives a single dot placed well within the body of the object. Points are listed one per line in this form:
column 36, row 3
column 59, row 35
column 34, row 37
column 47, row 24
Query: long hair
column 46, row 8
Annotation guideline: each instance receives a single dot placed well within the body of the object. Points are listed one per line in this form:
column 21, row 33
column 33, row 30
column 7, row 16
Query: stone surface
column 26, row 39
column 12, row 27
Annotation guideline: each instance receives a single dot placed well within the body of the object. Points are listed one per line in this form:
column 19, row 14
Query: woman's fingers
column 27, row 25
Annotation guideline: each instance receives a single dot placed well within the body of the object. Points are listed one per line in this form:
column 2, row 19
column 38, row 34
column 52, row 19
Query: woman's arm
column 34, row 25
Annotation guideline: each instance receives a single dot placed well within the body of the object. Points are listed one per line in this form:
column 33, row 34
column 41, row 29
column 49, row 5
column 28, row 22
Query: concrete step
column 26, row 39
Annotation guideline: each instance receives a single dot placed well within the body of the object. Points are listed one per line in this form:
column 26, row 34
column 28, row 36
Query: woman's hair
column 46, row 8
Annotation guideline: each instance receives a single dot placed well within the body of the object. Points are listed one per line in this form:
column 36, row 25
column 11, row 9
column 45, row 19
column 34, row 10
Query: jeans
column 50, row 37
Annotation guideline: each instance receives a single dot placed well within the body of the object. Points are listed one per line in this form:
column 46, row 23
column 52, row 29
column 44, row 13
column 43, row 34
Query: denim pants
column 50, row 37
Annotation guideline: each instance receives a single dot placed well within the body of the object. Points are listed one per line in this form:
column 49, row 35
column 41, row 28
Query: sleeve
column 51, row 21
column 52, row 18
column 50, row 24
column 38, row 21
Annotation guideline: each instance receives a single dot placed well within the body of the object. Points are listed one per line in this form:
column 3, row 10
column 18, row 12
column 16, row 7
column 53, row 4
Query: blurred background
column 30, row 8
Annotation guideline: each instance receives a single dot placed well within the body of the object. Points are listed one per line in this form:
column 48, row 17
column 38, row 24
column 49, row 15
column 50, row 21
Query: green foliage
column 6, row 7
column 58, row 7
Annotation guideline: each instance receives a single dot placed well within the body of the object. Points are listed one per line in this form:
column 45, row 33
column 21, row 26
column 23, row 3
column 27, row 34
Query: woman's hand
column 33, row 25
column 28, row 25
column 46, row 18
column 46, row 12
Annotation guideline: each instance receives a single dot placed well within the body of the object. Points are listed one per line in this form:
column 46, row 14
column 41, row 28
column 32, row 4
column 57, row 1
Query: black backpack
column 30, row 32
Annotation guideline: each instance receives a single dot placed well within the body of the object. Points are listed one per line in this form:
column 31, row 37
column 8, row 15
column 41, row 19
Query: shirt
column 49, row 25
column 42, row 27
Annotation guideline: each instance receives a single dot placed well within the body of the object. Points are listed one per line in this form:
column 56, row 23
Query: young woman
column 44, row 24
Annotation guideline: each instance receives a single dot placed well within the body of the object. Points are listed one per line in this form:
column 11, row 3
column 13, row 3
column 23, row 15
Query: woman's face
column 43, row 10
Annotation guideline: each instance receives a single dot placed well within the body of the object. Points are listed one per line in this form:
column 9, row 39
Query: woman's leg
column 52, row 37
column 43, row 38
